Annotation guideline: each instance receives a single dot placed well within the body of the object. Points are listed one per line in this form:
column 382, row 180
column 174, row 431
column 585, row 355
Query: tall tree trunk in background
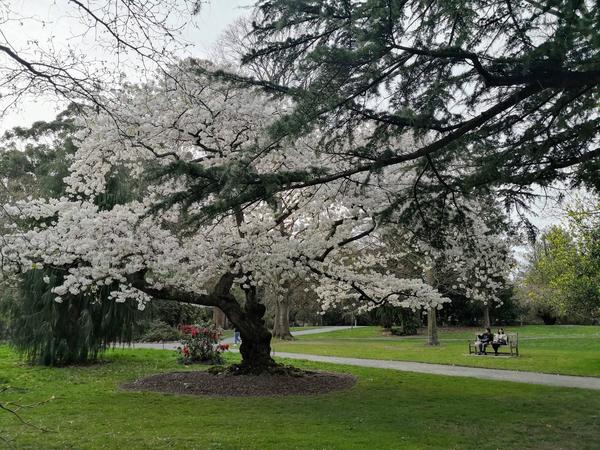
column 486, row 316
column 219, row 318
column 432, row 329
column 281, row 323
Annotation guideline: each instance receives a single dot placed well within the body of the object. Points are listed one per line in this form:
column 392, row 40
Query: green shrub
column 409, row 328
column 176, row 313
column 160, row 331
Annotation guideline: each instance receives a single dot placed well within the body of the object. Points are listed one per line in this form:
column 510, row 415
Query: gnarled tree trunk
column 255, row 348
column 256, row 344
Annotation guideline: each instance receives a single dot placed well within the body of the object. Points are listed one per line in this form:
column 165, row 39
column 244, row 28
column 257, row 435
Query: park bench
column 511, row 347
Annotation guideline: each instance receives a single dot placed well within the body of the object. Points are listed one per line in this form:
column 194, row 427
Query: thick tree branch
column 438, row 145
column 138, row 281
column 559, row 79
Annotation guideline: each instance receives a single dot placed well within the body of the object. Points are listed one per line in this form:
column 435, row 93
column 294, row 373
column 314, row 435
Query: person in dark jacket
column 483, row 340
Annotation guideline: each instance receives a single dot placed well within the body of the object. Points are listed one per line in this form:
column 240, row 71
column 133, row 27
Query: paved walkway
column 229, row 340
column 456, row 371
column 527, row 338
column 310, row 331
column 434, row 369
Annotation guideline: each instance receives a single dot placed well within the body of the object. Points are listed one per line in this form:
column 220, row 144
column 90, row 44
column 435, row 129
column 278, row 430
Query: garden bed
column 228, row 385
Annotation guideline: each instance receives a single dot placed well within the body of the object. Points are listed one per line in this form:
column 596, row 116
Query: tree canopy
column 174, row 132
column 499, row 95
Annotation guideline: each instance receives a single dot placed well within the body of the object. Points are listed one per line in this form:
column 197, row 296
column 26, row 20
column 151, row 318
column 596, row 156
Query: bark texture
column 256, row 338
column 486, row 316
column 432, row 329
column 281, row 323
column 219, row 318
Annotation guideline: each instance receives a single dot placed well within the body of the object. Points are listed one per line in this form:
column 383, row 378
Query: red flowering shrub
column 200, row 344
column 189, row 329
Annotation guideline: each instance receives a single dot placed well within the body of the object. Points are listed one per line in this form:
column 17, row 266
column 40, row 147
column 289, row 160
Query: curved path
column 309, row 331
column 516, row 376
column 229, row 340
column 434, row 369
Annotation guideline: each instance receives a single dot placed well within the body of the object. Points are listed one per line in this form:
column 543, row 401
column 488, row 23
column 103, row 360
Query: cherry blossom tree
column 235, row 42
column 184, row 133
column 463, row 249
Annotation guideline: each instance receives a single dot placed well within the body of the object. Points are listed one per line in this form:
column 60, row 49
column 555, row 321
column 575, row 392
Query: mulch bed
column 228, row 385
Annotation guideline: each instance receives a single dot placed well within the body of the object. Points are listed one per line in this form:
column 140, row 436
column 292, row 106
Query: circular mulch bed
column 228, row 385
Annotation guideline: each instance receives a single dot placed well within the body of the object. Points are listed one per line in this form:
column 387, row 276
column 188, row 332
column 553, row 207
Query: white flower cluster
column 190, row 117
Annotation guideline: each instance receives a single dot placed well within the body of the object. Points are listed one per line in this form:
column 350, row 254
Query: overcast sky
column 56, row 22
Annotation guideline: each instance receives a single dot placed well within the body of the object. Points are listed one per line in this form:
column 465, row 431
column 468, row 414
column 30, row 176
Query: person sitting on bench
column 483, row 340
column 499, row 339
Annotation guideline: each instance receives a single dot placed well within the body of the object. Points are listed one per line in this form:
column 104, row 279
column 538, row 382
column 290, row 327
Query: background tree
column 80, row 50
column 498, row 96
column 237, row 41
column 463, row 250
column 562, row 280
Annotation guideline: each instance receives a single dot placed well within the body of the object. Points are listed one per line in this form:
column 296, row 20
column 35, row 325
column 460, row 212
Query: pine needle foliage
column 498, row 96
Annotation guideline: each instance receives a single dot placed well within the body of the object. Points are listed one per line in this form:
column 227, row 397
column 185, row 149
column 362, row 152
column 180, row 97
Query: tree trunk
column 255, row 348
column 281, row 324
column 75, row 350
column 219, row 318
column 248, row 319
column 486, row 316
column 432, row 331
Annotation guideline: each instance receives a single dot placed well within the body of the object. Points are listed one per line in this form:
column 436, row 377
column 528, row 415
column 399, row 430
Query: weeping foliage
column 34, row 161
column 75, row 331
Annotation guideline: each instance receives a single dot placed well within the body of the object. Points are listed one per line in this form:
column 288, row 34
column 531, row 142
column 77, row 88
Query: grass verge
column 385, row 410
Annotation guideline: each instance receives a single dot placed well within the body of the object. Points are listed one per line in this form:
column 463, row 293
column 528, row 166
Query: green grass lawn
column 573, row 350
column 385, row 410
